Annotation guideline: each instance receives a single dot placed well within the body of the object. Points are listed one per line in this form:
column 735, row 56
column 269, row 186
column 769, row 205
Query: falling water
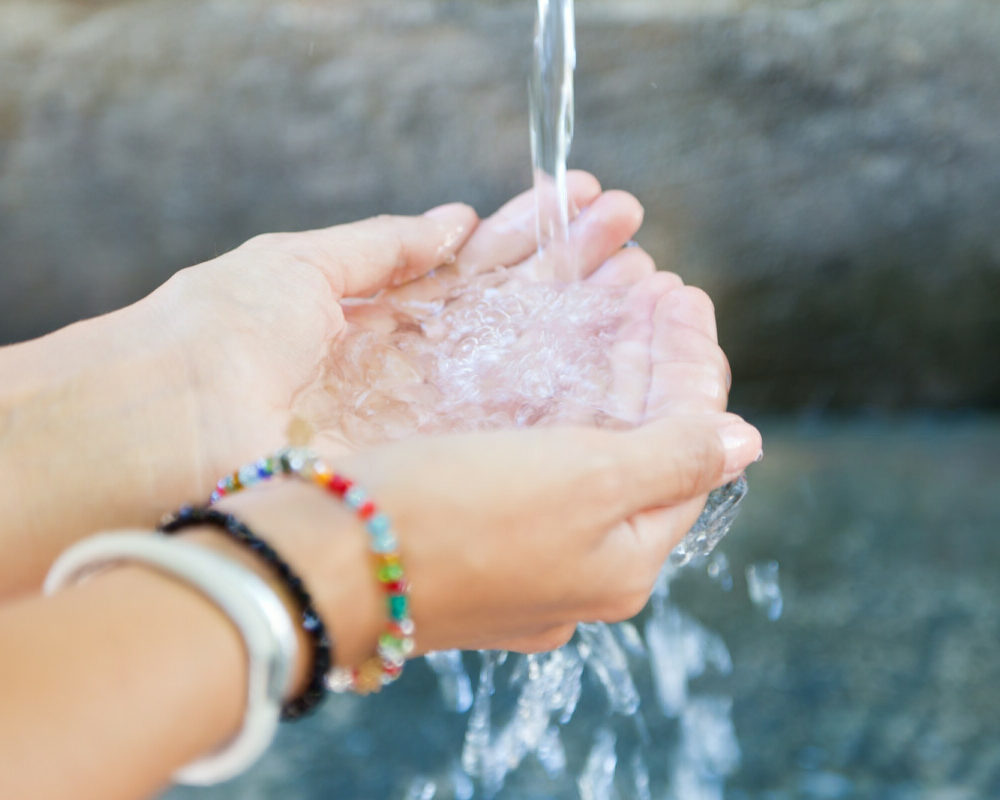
column 550, row 94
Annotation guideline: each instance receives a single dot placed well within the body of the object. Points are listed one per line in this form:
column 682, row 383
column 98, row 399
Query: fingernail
column 760, row 456
column 742, row 443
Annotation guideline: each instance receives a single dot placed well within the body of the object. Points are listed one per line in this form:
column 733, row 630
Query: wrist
column 322, row 541
column 214, row 540
column 97, row 413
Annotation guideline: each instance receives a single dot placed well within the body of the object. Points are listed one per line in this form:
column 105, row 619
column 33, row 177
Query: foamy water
column 496, row 352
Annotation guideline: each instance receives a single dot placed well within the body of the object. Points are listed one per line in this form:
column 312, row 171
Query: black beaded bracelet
column 312, row 624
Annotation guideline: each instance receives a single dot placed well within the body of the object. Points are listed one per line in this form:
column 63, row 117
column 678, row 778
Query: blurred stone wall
column 828, row 170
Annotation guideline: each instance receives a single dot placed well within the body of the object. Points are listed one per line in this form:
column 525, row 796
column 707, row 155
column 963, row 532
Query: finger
column 510, row 236
column 679, row 458
column 600, row 231
column 624, row 268
column 679, row 344
column 630, row 354
column 689, row 306
column 361, row 257
column 678, row 388
column 631, row 556
column 690, row 372
column 662, row 529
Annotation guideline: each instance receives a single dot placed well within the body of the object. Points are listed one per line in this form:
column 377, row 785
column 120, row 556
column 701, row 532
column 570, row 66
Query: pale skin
column 109, row 687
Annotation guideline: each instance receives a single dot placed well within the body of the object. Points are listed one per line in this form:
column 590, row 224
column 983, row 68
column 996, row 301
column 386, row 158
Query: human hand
column 511, row 537
column 254, row 326
column 402, row 365
column 155, row 401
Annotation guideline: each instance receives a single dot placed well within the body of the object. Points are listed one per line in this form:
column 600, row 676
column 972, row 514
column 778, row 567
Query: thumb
column 678, row 458
column 360, row 258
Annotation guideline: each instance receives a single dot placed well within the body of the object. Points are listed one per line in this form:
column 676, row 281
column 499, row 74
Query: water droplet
column 764, row 588
column 718, row 570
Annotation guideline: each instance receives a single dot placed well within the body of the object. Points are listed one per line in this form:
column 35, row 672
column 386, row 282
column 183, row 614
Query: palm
column 273, row 312
column 666, row 358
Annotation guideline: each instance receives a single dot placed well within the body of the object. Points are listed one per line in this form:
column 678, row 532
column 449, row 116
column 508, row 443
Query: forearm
column 126, row 678
column 109, row 687
column 131, row 675
column 96, row 431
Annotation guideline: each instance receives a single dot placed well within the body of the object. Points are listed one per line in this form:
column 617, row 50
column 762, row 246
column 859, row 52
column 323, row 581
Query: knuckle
column 303, row 247
column 392, row 236
column 697, row 467
column 268, row 241
column 707, row 462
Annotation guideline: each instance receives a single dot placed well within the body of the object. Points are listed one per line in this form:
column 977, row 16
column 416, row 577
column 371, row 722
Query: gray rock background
column 828, row 170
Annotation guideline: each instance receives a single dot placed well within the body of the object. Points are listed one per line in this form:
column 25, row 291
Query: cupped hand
column 509, row 538
column 253, row 327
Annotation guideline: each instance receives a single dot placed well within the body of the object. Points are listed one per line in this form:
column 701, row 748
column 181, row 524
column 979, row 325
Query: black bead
column 314, row 693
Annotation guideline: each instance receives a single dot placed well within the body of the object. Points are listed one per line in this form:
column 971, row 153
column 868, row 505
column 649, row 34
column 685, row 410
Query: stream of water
column 550, row 95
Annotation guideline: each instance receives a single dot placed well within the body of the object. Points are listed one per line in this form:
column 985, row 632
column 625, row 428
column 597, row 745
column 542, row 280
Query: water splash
column 547, row 688
column 421, row 788
column 764, row 588
column 718, row 570
column 456, row 688
column 640, row 779
column 602, row 653
column 525, row 706
column 713, row 524
column 708, row 752
column 596, row 782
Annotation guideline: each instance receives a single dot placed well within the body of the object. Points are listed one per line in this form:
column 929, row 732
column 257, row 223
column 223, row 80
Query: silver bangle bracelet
column 256, row 611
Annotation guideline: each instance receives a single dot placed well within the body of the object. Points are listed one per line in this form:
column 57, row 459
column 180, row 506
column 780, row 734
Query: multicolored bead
column 396, row 642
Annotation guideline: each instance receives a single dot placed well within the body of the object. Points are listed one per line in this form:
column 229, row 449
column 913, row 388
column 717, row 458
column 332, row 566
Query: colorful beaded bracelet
column 312, row 623
column 396, row 641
